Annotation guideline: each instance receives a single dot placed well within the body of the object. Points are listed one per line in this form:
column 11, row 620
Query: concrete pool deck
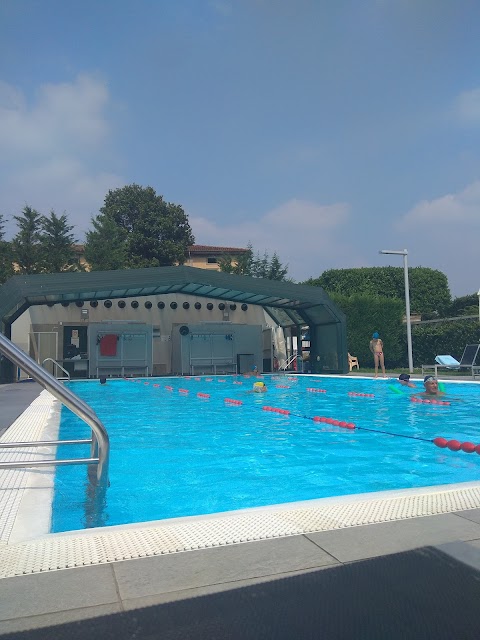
column 174, row 581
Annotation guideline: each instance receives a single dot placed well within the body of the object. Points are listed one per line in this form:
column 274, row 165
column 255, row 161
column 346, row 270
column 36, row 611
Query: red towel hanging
column 108, row 345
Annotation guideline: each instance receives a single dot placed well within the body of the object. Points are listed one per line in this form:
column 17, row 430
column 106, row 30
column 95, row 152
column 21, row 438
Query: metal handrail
column 288, row 362
column 99, row 450
column 58, row 365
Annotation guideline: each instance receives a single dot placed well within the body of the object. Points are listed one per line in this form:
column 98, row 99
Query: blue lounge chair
column 449, row 362
column 468, row 361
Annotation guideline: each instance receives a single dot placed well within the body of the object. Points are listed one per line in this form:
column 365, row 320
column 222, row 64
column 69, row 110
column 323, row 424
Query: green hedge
column 430, row 340
column 429, row 292
column 366, row 314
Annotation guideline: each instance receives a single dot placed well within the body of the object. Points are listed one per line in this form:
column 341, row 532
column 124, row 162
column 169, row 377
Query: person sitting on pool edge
column 259, row 387
column 404, row 380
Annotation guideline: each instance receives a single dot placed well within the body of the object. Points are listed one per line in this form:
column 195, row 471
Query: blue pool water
column 175, row 454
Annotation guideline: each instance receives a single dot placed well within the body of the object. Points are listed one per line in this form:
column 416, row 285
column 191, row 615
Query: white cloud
column 52, row 149
column 467, row 106
column 64, row 117
column 448, row 210
column 307, row 236
column 443, row 234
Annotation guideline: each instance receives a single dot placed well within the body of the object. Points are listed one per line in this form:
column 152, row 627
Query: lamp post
column 478, row 294
column 404, row 253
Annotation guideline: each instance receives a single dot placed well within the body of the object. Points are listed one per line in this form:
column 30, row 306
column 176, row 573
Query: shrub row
column 366, row 314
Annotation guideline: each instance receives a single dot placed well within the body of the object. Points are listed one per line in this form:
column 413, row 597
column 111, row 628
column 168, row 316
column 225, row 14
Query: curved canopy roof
column 288, row 304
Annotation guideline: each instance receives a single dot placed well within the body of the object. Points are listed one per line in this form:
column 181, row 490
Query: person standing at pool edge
column 376, row 347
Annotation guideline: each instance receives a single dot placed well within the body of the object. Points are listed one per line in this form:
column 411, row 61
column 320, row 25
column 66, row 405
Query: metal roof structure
column 289, row 305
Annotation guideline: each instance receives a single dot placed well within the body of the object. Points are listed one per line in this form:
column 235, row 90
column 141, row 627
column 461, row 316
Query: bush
column 449, row 338
column 429, row 291
column 465, row 305
column 366, row 314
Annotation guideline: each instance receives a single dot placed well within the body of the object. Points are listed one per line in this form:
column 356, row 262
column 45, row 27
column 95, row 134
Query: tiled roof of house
column 194, row 248
column 203, row 248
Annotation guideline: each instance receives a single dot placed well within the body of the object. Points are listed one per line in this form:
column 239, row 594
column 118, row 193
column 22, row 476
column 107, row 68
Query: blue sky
column 325, row 130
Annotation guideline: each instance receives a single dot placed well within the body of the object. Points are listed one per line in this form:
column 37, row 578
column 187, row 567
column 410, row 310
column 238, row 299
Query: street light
column 404, row 253
column 478, row 294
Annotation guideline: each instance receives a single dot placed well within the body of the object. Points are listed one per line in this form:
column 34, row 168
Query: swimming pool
column 176, row 453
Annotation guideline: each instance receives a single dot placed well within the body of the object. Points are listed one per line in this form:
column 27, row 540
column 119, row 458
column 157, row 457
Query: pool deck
column 234, row 588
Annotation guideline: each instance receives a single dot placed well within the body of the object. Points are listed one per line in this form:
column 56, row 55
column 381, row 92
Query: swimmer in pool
column 404, row 380
column 376, row 347
column 431, row 388
column 259, row 387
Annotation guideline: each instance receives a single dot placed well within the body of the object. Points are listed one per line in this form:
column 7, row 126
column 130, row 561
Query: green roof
column 288, row 304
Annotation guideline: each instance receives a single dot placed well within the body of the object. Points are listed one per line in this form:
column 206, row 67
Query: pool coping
column 22, row 552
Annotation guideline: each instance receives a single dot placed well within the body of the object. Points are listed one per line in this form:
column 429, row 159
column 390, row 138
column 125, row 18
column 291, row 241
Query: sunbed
column 468, row 361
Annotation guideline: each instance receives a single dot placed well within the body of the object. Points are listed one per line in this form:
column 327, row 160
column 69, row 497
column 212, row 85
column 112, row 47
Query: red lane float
column 237, row 382
column 183, row 391
column 282, row 386
column 208, row 379
column 222, row 380
column 428, row 401
column 313, row 390
column 156, row 385
column 203, row 395
column 277, row 410
column 456, row 445
column 335, row 423
column 231, row 401
column 362, row 395
column 168, row 388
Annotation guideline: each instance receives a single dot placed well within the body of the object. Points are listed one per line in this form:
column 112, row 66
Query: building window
column 212, row 261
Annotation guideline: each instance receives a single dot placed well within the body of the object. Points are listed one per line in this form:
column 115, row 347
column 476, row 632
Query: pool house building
column 168, row 321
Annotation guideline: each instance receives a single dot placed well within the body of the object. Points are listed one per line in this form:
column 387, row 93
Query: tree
column 6, row 256
column 26, row 244
column 246, row 264
column 240, row 265
column 105, row 248
column 429, row 291
column 464, row 305
column 56, row 244
column 155, row 233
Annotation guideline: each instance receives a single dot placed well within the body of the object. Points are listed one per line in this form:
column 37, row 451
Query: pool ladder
column 59, row 366
column 99, row 442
